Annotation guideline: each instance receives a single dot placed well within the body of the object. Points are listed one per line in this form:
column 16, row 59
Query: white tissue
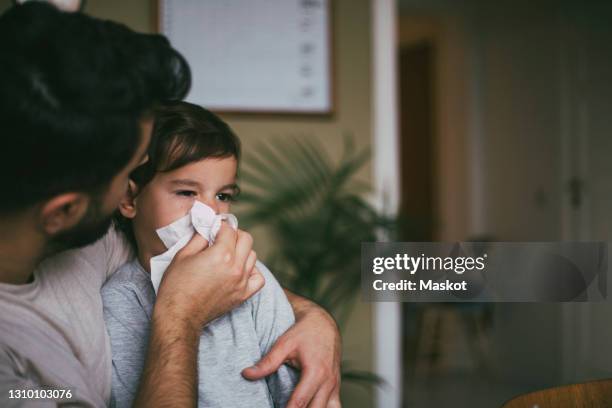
column 201, row 219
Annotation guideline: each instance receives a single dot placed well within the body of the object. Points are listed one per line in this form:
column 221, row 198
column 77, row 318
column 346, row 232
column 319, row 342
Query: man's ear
column 63, row 212
column 127, row 205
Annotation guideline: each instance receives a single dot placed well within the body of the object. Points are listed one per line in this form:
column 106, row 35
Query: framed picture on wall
column 259, row 56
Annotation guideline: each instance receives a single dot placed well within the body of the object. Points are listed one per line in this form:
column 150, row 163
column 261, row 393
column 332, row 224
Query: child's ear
column 127, row 205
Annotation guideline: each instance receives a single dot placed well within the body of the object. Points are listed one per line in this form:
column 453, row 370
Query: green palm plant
column 317, row 219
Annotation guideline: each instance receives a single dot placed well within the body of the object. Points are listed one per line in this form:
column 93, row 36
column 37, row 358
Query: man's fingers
column 305, row 390
column 254, row 283
column 249, row 266
column 270, row 362
column 196, row 244
column 334, row 401
column 243, row 248
column 322, row 398
column 226, row 236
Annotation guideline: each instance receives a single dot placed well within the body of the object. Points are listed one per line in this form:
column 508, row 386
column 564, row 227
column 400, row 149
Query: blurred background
column 464, row 120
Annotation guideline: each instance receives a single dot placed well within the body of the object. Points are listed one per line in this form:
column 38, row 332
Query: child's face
column 170, row 195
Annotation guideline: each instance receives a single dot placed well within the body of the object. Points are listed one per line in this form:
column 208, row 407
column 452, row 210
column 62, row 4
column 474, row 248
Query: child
column 193, row 157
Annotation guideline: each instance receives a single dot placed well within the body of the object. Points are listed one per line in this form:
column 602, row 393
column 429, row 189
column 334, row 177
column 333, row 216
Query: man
column 75, row 97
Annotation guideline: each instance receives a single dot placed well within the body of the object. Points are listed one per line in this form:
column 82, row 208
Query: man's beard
column 92, row 227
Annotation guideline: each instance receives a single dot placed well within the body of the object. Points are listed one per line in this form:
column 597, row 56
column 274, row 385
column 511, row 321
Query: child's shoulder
column 271, row 292
column 128, row 276
column 268, row 276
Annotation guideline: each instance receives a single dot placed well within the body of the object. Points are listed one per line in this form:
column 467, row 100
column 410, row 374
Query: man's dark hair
column 183, row 133
column 73, row 90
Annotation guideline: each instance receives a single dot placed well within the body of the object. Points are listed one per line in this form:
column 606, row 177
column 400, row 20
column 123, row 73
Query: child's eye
column 186, row 193
column 225, row 197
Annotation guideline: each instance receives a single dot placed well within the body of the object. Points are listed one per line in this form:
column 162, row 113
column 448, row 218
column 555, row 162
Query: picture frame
column 254, row 56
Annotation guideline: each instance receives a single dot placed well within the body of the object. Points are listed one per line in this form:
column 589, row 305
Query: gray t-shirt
column 228, row 344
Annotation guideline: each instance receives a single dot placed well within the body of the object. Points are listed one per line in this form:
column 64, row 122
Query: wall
column 521, row 121
column 351, row 33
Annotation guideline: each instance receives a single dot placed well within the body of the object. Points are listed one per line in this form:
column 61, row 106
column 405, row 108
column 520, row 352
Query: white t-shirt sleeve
column 91, row 265
column 118, row 250
column 106, row 255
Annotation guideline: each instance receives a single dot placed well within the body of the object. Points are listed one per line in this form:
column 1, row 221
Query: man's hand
column 203, row 283
column 200, row 285
column 313, row 346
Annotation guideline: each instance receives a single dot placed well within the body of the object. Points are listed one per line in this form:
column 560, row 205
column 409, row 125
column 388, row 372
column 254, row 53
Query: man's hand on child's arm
column 200, row 285
column 313, row 346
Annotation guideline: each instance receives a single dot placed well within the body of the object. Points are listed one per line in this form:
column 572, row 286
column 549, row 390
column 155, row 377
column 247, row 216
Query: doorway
column 416, row 101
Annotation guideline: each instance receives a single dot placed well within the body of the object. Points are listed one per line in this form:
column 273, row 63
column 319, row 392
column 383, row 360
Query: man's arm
column 312, row 345
column 198, row 286
column 170, row 374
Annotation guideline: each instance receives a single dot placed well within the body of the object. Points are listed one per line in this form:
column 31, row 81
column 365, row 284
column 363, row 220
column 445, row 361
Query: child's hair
column 183, row 133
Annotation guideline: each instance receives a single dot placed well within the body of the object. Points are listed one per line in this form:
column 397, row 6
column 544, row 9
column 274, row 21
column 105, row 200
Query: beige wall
column 137, row 14
column 351, row 31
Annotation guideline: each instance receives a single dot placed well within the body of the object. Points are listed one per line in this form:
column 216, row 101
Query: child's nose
column 212, row 204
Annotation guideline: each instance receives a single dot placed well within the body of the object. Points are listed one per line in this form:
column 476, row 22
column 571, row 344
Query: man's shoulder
column 29, row 332
column 20, row 315
column 92, row 262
